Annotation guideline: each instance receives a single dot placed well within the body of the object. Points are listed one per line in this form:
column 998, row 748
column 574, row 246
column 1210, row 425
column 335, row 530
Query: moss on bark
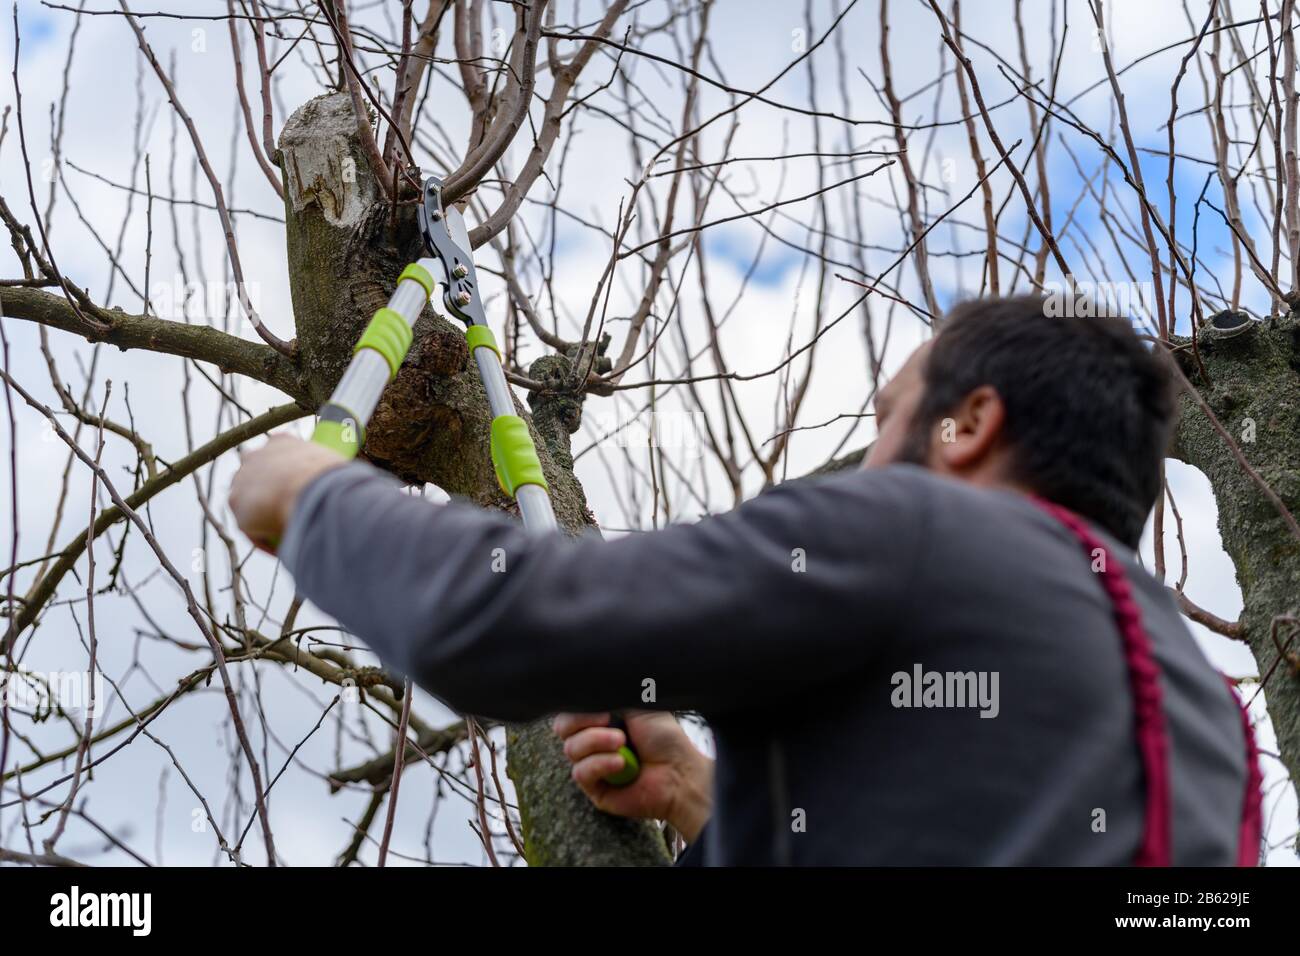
column 1253, row 388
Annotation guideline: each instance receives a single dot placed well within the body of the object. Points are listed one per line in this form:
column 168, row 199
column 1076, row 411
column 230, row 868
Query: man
column 927, row 661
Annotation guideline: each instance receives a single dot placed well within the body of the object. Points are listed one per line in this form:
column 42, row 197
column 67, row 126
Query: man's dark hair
column 1089, row 407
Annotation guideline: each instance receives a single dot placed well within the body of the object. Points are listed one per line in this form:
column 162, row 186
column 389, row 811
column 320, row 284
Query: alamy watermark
column 74, row 908
column 671, row 431
column 947, row 689
column 75, row 693
column 199, row 302
column 1083, row 299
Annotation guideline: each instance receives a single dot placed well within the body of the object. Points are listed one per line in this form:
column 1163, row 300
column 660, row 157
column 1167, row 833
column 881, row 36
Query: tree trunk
column 1254, row 390
column 345, row 251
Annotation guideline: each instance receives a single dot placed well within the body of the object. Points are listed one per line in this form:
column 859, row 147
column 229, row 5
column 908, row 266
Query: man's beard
column 915, row 449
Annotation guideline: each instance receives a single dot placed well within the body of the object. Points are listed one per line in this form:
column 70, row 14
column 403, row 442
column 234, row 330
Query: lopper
column 382, row 347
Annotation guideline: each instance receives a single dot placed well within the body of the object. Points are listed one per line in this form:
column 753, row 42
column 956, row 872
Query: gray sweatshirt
column 897, row 668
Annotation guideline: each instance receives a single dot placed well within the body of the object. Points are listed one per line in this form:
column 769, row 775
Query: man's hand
column 676, row 780
column 269, row 481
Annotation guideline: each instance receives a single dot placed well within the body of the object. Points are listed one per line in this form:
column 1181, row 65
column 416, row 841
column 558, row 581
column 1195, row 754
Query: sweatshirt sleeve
column 794, row 587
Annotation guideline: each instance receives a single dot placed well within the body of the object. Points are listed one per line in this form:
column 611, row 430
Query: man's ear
column 971, row 433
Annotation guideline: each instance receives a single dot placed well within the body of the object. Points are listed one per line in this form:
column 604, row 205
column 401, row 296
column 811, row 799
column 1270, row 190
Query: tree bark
column 345, row 251
column 1254, row 391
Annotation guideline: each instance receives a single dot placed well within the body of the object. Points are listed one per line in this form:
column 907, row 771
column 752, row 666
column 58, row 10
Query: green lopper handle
column 631, row 762
column 342, row 436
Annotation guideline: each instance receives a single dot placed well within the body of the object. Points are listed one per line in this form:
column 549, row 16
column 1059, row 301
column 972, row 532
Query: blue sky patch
column 738, row 252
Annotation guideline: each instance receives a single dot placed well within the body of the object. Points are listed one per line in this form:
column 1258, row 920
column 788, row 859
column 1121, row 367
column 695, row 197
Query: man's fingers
column 568, row 724
column 592, row 740
column 590, row 772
